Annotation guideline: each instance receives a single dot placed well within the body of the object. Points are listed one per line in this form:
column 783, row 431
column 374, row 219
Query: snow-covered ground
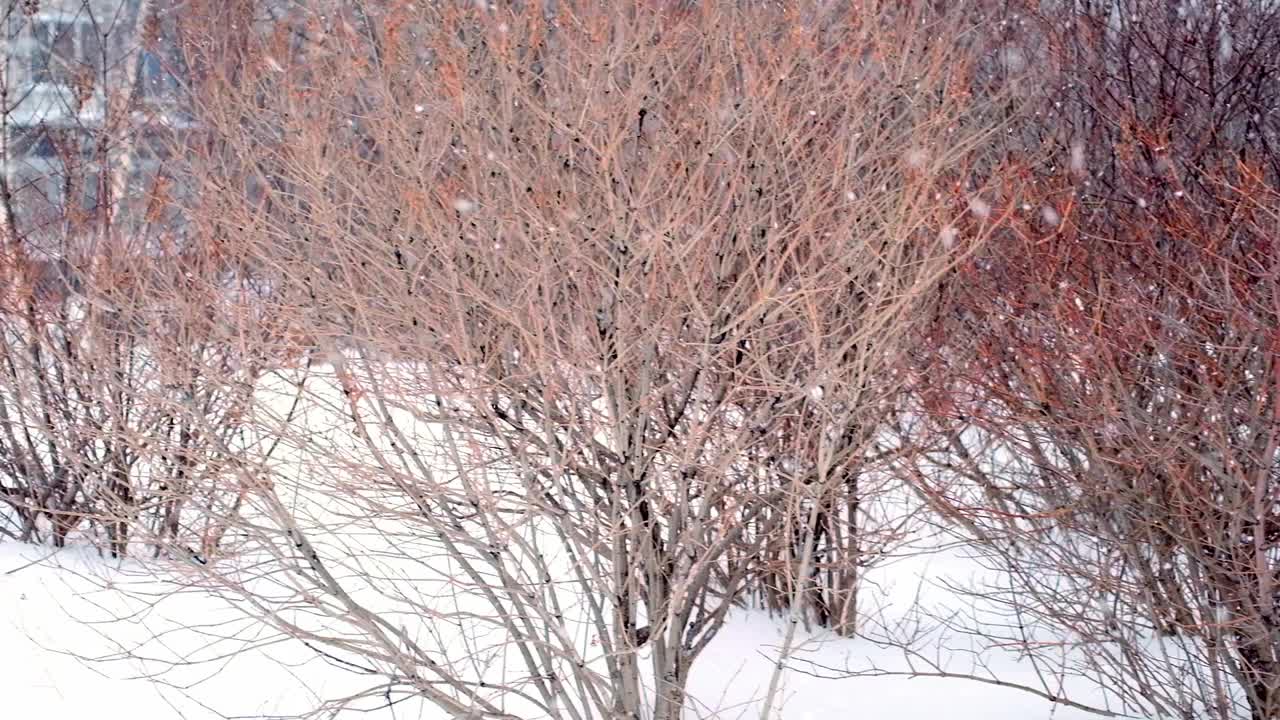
column 83, row 636
column 49, row 600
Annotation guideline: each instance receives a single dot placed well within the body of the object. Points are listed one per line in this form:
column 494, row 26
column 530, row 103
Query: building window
column 32, row 142
column 48, row 143
column 46, row 165
column 63, row 51
column 156, row 75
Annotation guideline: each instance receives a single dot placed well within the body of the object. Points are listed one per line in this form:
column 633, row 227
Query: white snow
column 56, row 663
column 59, row 609
column 44, row 603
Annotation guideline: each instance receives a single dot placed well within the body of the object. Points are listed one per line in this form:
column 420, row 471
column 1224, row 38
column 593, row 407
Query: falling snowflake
column 463, row 205
column 815, row 392
column 917, row 158
column 1050, row 216
column 419, row 109
column 1077, row 157
column 1014, row 59
column 1142, row 203
column 948, row 237
column 980, row 208
column 849, row 196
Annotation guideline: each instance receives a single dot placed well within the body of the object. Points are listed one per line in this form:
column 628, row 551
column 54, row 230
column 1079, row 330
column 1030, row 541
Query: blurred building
column 89, row 95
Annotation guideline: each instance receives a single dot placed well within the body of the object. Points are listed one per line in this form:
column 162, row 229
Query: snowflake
column 948, row 237
column 980, row 208
column 1077, row 157
column 1014, row 59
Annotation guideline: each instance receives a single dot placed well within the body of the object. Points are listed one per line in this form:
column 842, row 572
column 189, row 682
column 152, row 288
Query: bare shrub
column 1105, row 383
column 608, row 301
column 115, row 322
